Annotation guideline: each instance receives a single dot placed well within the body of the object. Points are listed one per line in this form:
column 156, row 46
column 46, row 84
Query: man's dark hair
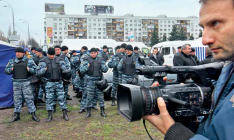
column 205, row 1
column 156, row 48
column 85, row 48
column 57, row 46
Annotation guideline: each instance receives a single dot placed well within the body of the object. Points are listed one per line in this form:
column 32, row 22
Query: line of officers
column 51, row 74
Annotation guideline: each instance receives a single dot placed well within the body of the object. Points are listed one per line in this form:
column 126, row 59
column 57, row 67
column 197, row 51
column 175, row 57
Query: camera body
column 183, row 101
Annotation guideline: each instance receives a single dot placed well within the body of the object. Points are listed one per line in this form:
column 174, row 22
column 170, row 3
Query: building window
column 60, row 33
column 104, row 24
column 55, row 37
column 135, row 25
column 169, row 25
column 60, row 28
column 60, row 19
column 104, row 20
column 99, row 33
column 89, row 20
column 165, row 29
column 55, row 24
column 94, row 19
column 99, row 37
column 139, row 25
column 99, row 29
column 55, row 42
column 104, row 29
column 94, row 37
column 126, row 24
column 90, row 37
column 55, row 32
column 139, row 29
column 130, row 20
column 55, row 28
column 94, row 29
column 130, row 25
column 94, row 24
column 60, row 37
column 104, row 37
column 135, row 21
column 60, row 24
column 99, row 20
column 160, row 29
column 165, row 25
column 55, row 19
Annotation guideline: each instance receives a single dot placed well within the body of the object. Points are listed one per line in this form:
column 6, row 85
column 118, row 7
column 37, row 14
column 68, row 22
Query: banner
column 99, row 9
column 49, row 31
column 54, row 8
column 131, row 36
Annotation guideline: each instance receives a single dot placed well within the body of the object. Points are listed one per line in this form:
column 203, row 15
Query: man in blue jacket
column 216, row 18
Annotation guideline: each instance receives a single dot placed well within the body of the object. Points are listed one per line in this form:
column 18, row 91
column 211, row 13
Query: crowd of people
column 49, row 74
column 36, row 73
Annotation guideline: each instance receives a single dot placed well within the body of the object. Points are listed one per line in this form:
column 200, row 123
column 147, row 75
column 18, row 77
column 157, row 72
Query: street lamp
column 39, row 38
column 9, row 5
column 29, row 41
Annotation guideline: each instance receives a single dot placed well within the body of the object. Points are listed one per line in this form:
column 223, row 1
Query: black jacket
column 209, row 59
column 182, row 59
column 159, row 58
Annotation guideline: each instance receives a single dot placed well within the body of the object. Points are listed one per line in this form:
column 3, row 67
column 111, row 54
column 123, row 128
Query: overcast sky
column 33, row 11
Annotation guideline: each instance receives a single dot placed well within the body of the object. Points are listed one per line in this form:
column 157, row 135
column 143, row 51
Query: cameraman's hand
column 163, row 121
column 155, row 84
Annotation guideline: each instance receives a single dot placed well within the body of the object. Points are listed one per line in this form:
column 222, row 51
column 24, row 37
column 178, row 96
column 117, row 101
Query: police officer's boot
column 50, row 117
column 88, row 112
column 65, row 117
column 103, row 112
column 15, row 117
column 81, row 111
column 113, row 102
column 54, row 110
column 34, row 117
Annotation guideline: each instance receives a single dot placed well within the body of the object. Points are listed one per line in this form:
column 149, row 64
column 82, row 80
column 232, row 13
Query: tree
column 154, row 38
column 200, row 34
column 173, row 34
column 22, row 43
column 191, row 37
column 2, row 37
column 164, row 38
column 32, row 42
column 182, row 34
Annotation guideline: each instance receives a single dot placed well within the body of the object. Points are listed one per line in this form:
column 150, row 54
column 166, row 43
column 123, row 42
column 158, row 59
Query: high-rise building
column 114, row 27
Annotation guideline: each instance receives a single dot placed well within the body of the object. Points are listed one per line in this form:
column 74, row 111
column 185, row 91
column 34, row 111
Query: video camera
column 188, row 100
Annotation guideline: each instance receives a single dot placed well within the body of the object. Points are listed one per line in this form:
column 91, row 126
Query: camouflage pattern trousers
column 115, row 84
column 73, row 73
column 53, row 90
column 84, row 95
column 91, row 90
column 23, row 89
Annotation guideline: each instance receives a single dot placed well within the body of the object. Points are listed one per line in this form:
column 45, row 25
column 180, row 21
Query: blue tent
column 7, row 52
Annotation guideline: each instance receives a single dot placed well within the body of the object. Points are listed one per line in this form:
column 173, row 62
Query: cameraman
column 218, row 34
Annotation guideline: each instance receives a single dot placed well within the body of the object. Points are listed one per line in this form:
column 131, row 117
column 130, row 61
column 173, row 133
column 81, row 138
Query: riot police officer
column 105, row 54
column 21, row 68
column 93, row 66
column 51, row 69
column 84, row 54
column 127, row 66
column 113, row 63
column 120, row 56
